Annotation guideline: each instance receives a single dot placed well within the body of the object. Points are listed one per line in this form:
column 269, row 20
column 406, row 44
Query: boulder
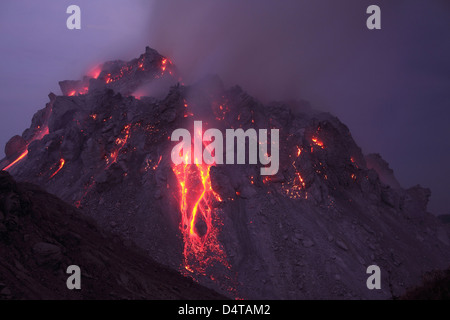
column 47, row 253
column 15, row 146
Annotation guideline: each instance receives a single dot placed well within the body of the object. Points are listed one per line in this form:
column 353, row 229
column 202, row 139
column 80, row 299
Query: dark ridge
column 41, row 235
column 435, row 286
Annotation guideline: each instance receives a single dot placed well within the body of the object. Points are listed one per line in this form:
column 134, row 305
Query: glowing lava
column 317, row 142
column 23, row 155
column 157, row 164
column 61, row 165
column 83, row 90
column 199, row 223
column 295, row 188
column 120, row 143
column 108, row 78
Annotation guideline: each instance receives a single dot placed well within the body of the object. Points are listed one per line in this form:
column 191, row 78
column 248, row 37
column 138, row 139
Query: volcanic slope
column 310, row 231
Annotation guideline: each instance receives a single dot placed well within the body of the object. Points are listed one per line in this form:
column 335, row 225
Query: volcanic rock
column 386, row 174
column 341, row 244
column 200, row 227
column 117, row 150
column 416, row 201
column 308, row 243
column 46, row 253
column 15, row 146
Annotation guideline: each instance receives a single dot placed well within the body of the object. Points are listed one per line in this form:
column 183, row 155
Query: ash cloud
column 272, row 49
column 389, row 86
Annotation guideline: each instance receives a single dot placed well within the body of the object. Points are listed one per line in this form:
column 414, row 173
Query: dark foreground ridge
column 435, row 286
column 40, row 236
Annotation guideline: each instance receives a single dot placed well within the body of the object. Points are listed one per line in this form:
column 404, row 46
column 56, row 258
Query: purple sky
column 391, row 87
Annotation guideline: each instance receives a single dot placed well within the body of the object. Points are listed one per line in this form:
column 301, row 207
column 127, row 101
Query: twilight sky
column 391, row 87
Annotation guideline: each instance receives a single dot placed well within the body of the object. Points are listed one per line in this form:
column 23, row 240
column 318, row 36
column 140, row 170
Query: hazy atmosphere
column 391, row 87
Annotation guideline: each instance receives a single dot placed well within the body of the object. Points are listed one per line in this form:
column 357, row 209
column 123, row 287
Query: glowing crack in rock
column 317, row 142
column 23, row 155
column 295, row 188
column 120, row 143
column 61, row 165
column 164, row 65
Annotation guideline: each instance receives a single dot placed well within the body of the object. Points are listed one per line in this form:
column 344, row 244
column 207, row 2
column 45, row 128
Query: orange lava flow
column 204, row 174
column 120, row 143
column 200, row 222
column 61, row 165
column 23, row 155
column 295, row 188
column 108, row 78
column 317, row 142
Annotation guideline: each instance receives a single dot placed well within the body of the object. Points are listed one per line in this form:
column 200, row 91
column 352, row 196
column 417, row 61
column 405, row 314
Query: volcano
column 308, row 232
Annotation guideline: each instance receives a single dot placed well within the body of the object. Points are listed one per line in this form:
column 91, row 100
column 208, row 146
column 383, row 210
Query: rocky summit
column 308, row 232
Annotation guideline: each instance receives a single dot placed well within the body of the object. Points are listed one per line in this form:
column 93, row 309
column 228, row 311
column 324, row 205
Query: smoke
column 383, row 84
column 271, row 48
column 157, row 88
